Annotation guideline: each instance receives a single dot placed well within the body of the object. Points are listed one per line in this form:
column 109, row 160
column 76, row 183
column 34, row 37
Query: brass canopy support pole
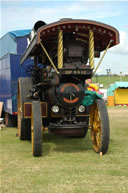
column 60, row 49
column 91, row 49
column 103, row 56
column 49, row 58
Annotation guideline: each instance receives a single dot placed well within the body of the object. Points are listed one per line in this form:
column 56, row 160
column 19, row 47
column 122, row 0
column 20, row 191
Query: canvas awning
column 113, row 87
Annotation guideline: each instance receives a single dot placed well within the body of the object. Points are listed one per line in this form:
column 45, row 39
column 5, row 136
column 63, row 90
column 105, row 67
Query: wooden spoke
column 99, row 126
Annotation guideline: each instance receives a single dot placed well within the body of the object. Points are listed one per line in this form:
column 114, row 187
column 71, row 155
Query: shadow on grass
column 65, row 144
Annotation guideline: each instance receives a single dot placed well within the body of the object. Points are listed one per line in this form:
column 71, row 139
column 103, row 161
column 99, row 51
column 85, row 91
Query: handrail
column 102, row 56
column 49, row 58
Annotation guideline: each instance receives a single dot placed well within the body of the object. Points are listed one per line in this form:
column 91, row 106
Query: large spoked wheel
column 99, row 126
column 36, row 129
column 24, row 125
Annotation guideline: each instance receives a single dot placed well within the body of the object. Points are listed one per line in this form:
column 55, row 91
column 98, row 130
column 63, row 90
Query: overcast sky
column 21, row 14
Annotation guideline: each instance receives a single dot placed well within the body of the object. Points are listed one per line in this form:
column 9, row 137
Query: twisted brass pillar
column 91, row 49
column 60, row 49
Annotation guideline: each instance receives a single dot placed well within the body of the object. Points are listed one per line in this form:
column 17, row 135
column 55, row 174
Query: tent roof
column 19, row 33
column 118, row 85
column 121, row 84
column 9, row 43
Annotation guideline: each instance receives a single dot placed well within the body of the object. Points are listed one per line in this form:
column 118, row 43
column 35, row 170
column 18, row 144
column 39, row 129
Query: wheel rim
column 36, row 129
column 96, row 128
column 6, row 119
column 32, row 134
column 19, row 112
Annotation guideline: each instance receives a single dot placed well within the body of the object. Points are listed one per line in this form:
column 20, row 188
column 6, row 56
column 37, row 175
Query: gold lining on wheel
column 19, row 110
column 95, row 122
column 32, row 134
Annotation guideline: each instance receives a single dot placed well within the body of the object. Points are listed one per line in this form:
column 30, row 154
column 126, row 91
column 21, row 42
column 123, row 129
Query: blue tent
column 14, row 42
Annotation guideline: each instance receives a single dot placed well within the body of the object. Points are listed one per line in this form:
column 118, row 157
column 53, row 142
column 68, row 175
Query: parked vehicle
column 13, row 44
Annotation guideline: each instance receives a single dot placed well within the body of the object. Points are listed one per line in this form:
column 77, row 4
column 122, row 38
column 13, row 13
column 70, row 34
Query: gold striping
column 82, row 40
column 81, row 34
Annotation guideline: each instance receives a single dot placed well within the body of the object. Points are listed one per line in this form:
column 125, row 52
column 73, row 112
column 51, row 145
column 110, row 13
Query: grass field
column 68, row 165
column 107, row 80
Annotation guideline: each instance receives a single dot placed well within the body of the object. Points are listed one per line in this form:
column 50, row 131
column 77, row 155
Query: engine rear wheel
column 36, row 129
column 24, row 125
column 99, row 126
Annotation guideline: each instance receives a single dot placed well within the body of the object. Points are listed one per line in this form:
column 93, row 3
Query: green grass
column 106, row 80
column 67, row 165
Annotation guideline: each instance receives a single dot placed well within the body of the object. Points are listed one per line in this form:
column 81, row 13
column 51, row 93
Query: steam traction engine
column 53, row 96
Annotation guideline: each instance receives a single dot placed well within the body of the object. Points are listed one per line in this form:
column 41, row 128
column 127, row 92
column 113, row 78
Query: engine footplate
column 78, row 129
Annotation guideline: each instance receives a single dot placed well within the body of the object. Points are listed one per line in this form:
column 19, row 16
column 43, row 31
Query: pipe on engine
column 37, row 25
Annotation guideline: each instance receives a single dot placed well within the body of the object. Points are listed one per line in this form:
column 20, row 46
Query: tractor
column 55, row 97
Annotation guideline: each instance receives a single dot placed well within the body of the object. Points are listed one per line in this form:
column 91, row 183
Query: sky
column 22, row 14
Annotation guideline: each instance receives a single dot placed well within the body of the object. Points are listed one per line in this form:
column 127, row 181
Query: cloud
column 16, row 15
column 122, row 48
column 22, row 14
